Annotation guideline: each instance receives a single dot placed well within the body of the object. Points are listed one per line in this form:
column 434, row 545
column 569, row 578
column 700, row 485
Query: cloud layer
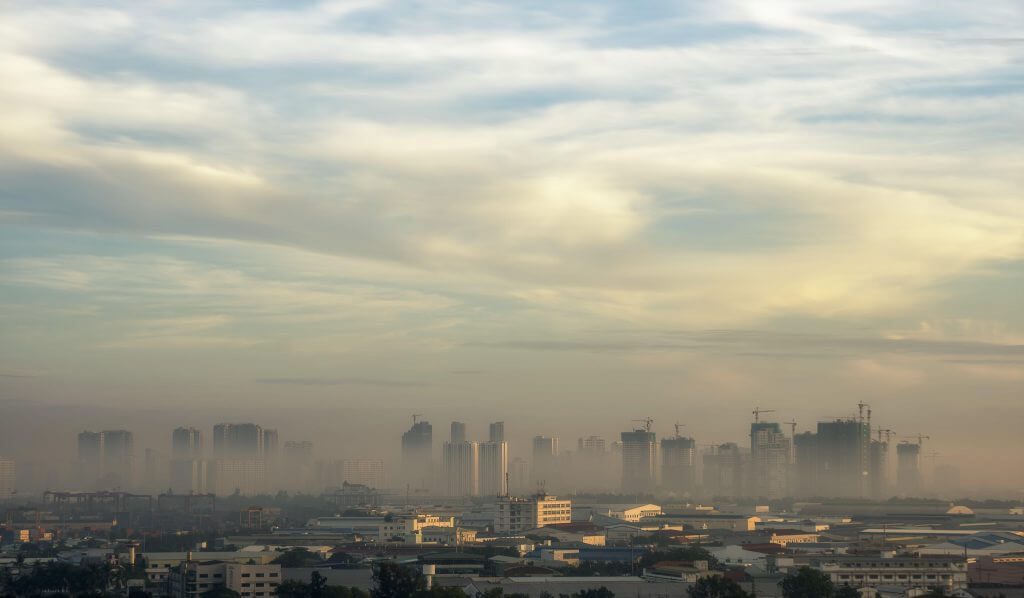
column 419, row 183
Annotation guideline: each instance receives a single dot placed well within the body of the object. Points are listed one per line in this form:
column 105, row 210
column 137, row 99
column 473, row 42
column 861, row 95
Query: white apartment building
column 516, row 515
column 462, row 468
column 493, row 468
column 253, row 581
column 195, row 578
column 408, row 527
column 903, row 571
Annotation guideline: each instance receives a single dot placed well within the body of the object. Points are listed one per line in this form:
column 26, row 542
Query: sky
column 566, row 215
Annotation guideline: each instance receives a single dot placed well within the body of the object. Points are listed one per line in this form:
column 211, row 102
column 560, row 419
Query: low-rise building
column 516, row 515
column 738, row 556
column 568, row 533
column 678, row 571
column 170, row 560
column 195, row 578
column 630, row 512
column 784, row 537
column 723, row 521
column 253, row 581
column 447, row 535
column 904, row 571
column 624, row 533
column 406, row 528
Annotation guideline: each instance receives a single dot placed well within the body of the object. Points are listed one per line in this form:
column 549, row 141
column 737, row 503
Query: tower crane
column 920, row 438
column 888, row 434
column 647, row 422
column 679, row 425
column 792, row 428
column 758, row 411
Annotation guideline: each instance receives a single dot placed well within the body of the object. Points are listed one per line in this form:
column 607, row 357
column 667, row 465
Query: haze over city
column 523, row 299
column 325, row 217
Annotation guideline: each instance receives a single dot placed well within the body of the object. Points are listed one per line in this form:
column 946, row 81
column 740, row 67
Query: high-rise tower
column 238, row 441
column 908, row 468
column 418, row 455
column 497, row 432
column 186, row 443
column 844, row 458
column 493, row 468
column 769, row 460
column 545, row 455
column 187, row 471
column 462, row 468
column 678, row 464
column 458, row 432
column 639, row 461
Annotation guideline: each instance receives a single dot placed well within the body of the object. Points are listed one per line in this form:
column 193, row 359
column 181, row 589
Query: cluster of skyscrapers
column 839, row 458
column 843, row 457
column 245, row 458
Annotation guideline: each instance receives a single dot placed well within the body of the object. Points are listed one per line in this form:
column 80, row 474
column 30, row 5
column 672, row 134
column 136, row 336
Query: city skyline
column 329, row 215
column 590, row 298
column 851, row 457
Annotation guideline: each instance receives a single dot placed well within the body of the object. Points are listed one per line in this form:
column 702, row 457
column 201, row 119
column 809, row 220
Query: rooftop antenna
column 758, row 411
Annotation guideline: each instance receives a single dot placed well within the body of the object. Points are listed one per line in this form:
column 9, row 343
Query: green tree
column 807, row 583
column 317, row 585
column 291, row 588
column 716, row 587
column 681, row 553
column 297, row 557
column 394, row 581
